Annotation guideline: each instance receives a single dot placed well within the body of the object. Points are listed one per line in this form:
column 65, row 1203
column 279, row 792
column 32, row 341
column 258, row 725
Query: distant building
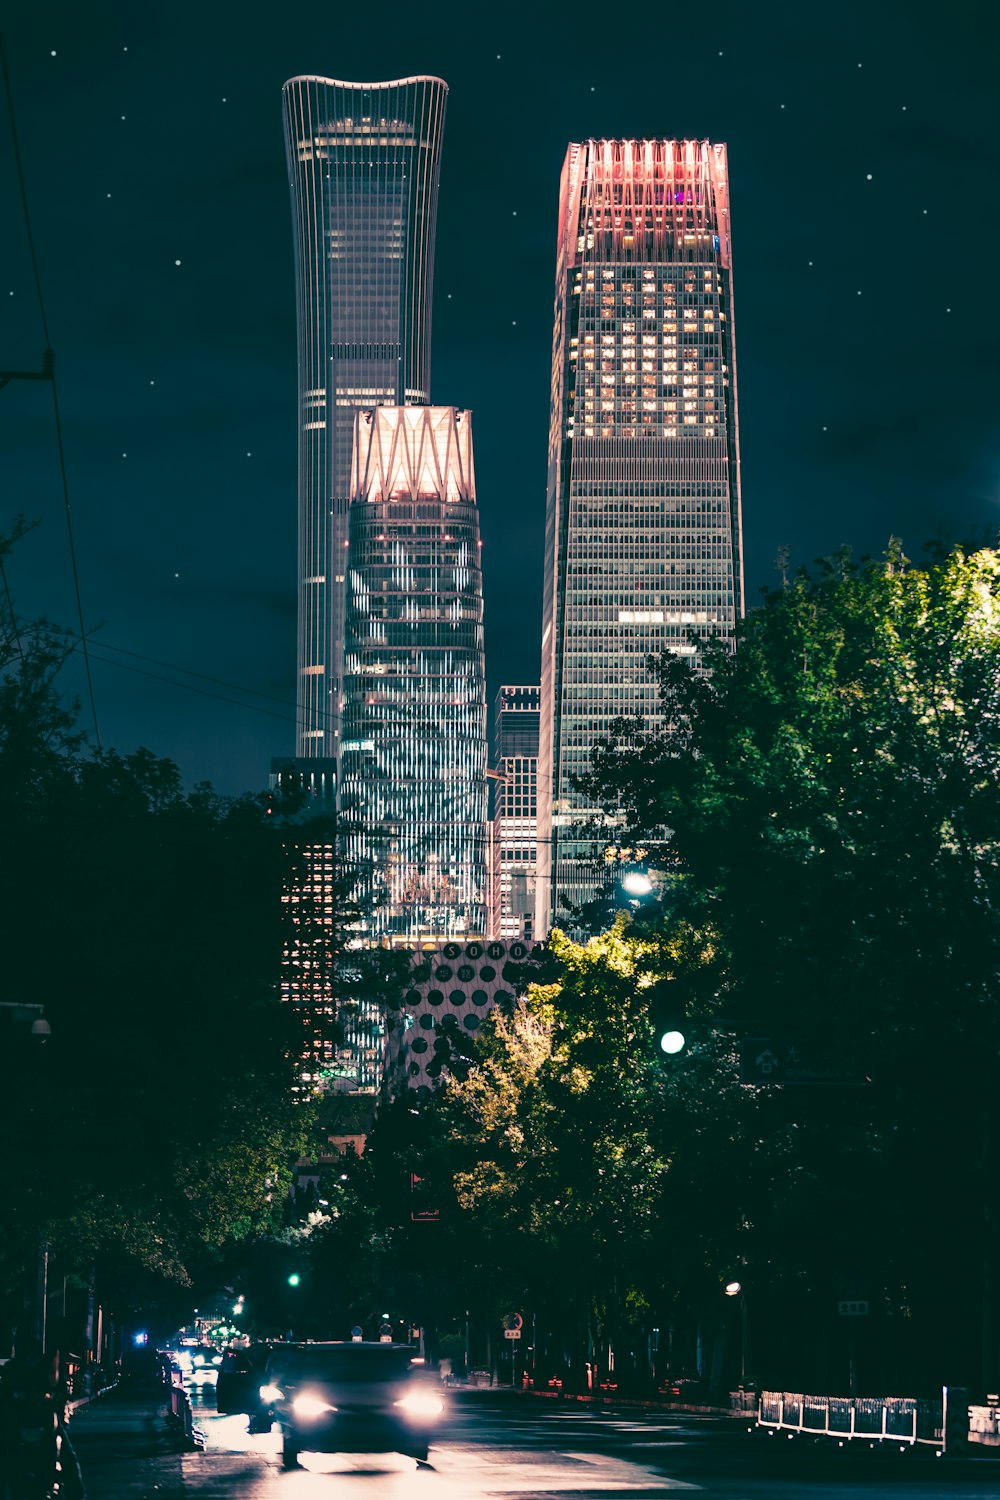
column 363, row 166
column 643, row 541
column 342, row 1038
column 413, row 788
column 454, row 987
column 514, row 841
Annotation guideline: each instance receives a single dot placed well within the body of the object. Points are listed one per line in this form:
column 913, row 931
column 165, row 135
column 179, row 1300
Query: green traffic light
column 294, row 1279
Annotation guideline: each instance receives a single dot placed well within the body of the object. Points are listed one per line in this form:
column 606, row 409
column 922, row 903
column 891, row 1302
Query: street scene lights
column 666, row 1013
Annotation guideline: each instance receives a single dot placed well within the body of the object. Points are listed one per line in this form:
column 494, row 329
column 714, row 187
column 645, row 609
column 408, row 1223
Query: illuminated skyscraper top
column 643, row 542
column 413, row 784
column 363, row 163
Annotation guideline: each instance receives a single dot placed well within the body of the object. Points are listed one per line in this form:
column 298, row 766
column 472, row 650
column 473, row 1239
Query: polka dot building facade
column 457, row 982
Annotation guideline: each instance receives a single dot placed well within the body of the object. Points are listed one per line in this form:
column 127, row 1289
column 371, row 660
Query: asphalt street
column 495, row 1445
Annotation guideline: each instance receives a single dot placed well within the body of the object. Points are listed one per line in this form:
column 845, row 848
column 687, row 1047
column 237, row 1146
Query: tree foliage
column 158, row 1122
column 822, row 813
column 825, row 806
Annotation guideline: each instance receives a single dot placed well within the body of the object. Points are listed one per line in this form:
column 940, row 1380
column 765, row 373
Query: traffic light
column 667, row 1016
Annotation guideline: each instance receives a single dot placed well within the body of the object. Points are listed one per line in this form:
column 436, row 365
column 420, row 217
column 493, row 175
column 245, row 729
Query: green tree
column 825, row 803
column 159, row 1121
column 571, row 1168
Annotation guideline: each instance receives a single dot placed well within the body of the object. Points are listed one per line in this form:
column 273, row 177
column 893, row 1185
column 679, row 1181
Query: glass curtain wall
column 643, row 546
column 363, row 164
column 413, row 792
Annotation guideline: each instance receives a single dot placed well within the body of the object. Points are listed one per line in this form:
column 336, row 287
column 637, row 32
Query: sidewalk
column 127, row 1446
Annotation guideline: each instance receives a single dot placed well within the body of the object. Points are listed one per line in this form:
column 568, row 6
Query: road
column 494, row 1446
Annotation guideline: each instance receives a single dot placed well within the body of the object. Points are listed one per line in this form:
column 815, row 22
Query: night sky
column 861, row 140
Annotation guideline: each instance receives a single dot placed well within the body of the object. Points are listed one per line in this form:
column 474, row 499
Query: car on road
column 351, row 1398
column 204, row 1366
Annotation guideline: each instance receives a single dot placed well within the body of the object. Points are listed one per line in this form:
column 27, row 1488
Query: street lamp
column 734, row 1288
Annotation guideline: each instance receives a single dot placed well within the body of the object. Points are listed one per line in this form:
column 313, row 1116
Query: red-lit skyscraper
column 413, row 779
column 643, row 541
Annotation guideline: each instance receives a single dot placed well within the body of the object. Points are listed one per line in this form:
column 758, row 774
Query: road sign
column 513, row 1321
column 768, row 1059
column 853, row 1309
column 512, row 1333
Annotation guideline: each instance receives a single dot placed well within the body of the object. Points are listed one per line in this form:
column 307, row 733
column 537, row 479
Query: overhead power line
column 48, row 372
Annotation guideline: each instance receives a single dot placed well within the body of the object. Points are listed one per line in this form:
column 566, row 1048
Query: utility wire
column 188, row 687
column 201, row 676
column 50, row 364
column 10, row 608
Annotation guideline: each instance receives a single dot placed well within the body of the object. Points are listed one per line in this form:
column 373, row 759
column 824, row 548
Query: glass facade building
column 514, row 841
column 413, row 786
column 643, row 544
column 363, row 164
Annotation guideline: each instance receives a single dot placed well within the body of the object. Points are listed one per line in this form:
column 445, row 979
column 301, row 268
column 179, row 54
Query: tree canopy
column 159, row 1121
column 820, row 812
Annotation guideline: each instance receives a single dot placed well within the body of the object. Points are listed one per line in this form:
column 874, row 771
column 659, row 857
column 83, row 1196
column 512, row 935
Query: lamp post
column 734, row 1288
column 29, row 1023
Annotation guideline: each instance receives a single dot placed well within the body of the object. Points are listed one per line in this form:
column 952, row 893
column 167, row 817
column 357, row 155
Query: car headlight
column 271, row 1393
column 311, row 1406
column 422, row 1405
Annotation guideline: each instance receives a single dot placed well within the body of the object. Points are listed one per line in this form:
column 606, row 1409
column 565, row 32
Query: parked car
column 237, row 1389
column 350, row 1398
column 144, row 1367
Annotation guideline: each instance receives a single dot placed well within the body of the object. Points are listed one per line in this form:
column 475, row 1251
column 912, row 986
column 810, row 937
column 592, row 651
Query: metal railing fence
column 896, row 1419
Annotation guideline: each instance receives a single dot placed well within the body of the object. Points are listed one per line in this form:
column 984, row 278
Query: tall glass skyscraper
column 363, row 163
column 413, row 790
column 643, row 540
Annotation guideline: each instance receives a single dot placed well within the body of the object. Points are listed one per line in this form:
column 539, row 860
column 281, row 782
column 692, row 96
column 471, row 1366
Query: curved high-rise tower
column 643, row 536
column 363, row 163
column 413, row 791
